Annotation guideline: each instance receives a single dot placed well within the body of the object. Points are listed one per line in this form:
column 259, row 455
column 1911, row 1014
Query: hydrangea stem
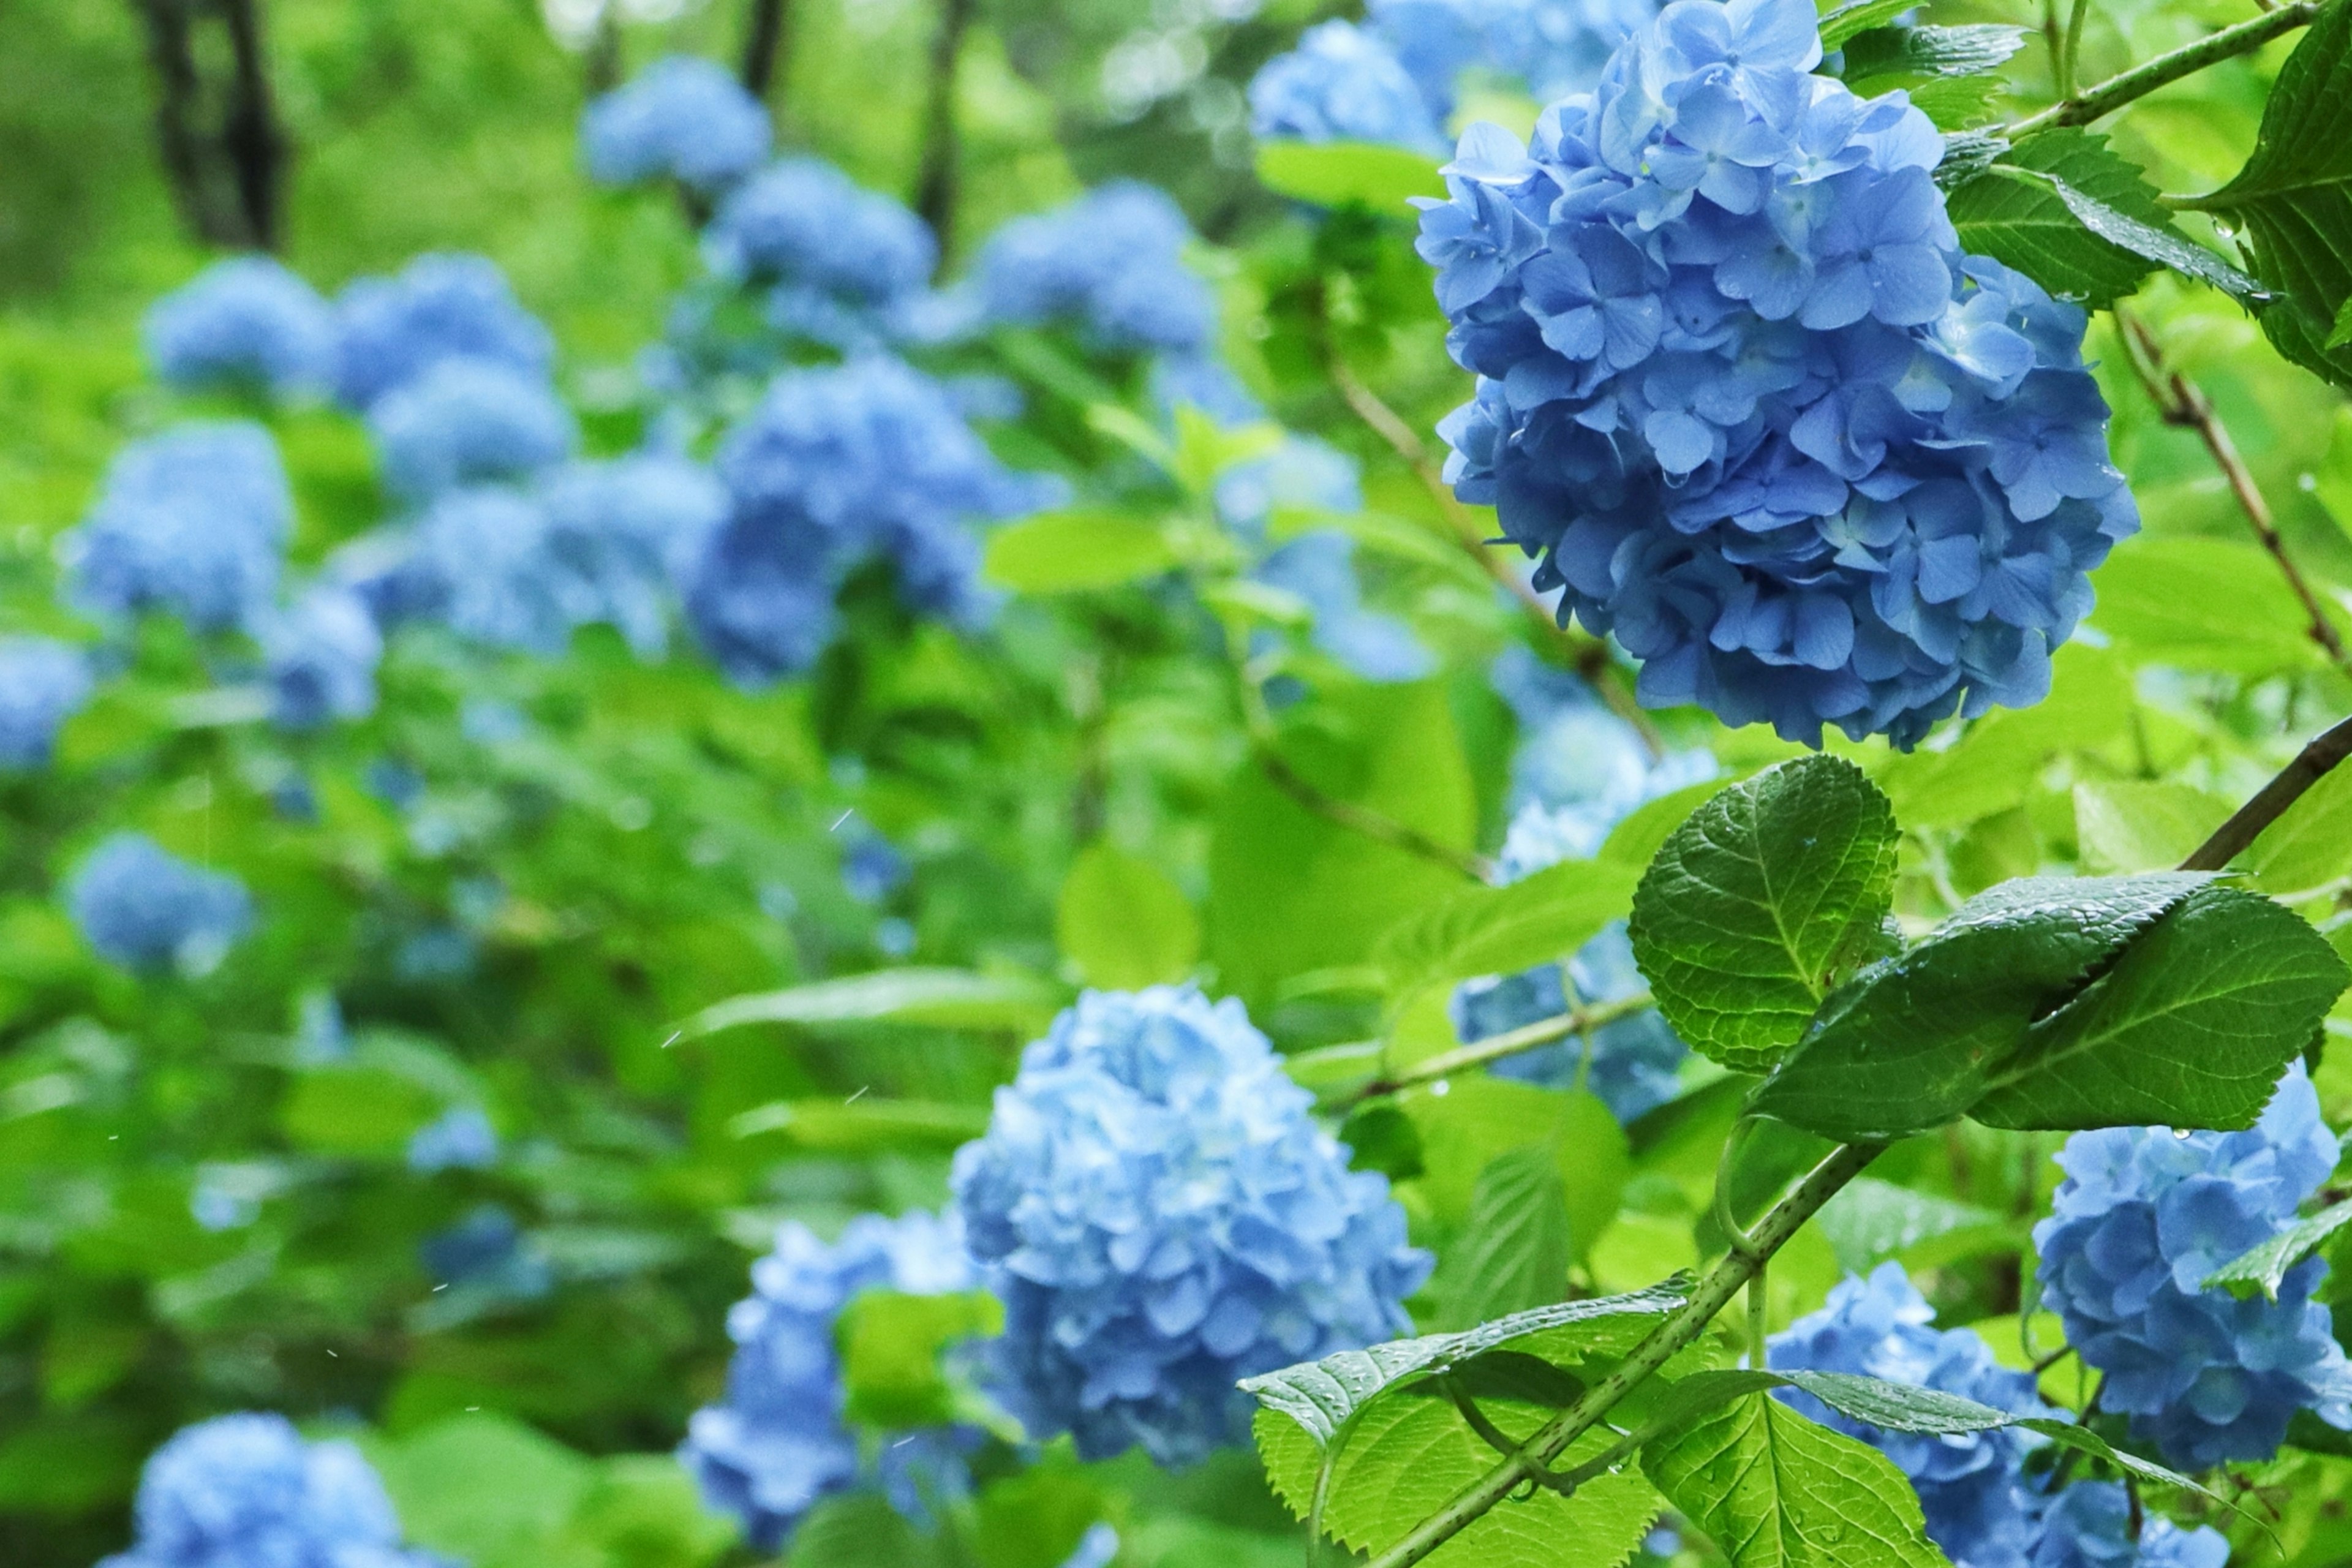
column 1511, row 1043
column 1712, row 1294
column 2313, row 763
column 2181, row 402
column 2082, row 107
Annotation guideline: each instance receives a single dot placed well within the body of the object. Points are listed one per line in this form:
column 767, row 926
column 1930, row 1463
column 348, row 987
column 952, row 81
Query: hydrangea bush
column 140, row 905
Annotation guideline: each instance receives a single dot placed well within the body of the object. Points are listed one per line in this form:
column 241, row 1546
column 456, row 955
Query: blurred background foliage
column 587, row 851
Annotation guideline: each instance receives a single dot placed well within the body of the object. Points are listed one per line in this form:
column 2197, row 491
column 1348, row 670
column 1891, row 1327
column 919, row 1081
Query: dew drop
column 2181, row 1134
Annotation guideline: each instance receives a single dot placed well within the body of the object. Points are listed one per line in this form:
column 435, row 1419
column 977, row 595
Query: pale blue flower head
column 777, row 1443
column 1980, row 1508
column 460, row 1139
column 193, row 523
column 442, row 306
column 467, row 421
column 2143, row 1219
column 1160, row 1214
column 625, row 534
column 802, row 224
column 1748, row 406
column 1549, row 47
column 682, row 118
column 140, row 905
column 43, row 683
column 246, row 1491
column 245, row 323
column 1110, row 263
column 2089, row 1525
column 1341, row 84
column 323, row 653
column 484, row 565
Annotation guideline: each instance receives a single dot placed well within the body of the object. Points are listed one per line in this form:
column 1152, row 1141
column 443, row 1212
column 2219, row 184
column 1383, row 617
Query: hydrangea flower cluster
column 242, row 1490
column 464, row 421
column 1341, row 84
column 1319, row 565
column 838, row 260
column 193, row 523
column 777, row 1443
column 1978, row 1507
column 1161, row 1215
column 442, row 306
column 460, row 1139
column 1744, row 397
column 1578, row 769
column 243, row 323
column 2089, row 1525
column 323, row 653
column 488, row 1258
column 1110, row 263
column 1553, row 48
column 839, row 465
column 625, row 533
column 43, row 683
column 2144, row 1217
column 682, row 118
column 143, row 907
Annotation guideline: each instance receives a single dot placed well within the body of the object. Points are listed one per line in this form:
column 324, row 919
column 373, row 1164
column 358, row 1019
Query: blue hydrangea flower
column 460, row 1139
column 442, row 306
column 43, row 683
column 682, row 118
column 1749, row 406
column 145, row 909
column 837, row 466
column 2143, row 1218
column 1204, row 382
column 1161, row 1215
column 1579, row 769
column 1110, row 263
column 1550, row 48
column 2088, row 1525
column 240, row 1491
column 483, row 566
column 466, row 421
column 1979, row 1508
column 245, row 322
column 777, row 1444
column 837, row 257
column 872, row 868
column 1341, row 84
column 193, row 523
column 488, row 1255
column 323, row 654
column 626, row 533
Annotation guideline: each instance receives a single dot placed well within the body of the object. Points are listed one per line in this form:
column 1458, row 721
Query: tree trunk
column 765, row 55
column 935, row 183
column 216, row 132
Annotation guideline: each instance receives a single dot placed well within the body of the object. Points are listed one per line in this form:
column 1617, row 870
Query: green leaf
column 1773, row 1490
column 2071, row 215
column 1907, row 1045
column 862, row 1531
column 2265, row 1267
column 938, row 998
column 2204, row 603
column 1291, row 891
column 1501, row 930
column 1642, row 832
column 2311, row 844
column 2142, row 825
column 865, row 1123
column 1318, row 1398
column 1757, row 902
column 1898, row 53
column 354, row 1110
column 2191, row 1028
column 1842, row 19
column 1871, row 1221
column 1072, row 552
column 2294, row 198
column 1477, row 1118
column 1349, row 174
column 482, row 1487
column 1392, row 1461
column 1124, row 923
column 1513, row 1249
column 890, row 1348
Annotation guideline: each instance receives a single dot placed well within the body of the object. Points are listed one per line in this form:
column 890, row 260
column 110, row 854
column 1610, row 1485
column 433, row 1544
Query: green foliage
column 1774, row 1489
column 1757, row 903
column 1124, row 923
column 1349, row 174
column 2263, row 1267
column 2294, row 198
column 1069, row 552
column 891, row 1349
